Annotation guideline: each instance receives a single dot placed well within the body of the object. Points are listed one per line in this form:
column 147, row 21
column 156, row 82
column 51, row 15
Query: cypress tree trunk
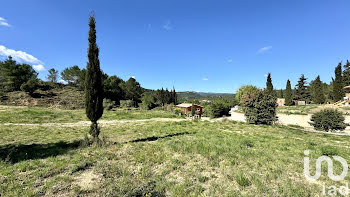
column 93, row 82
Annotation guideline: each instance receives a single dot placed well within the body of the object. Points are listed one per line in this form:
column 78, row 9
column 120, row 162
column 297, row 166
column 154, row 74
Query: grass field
column 22, row 114
column 156, row 158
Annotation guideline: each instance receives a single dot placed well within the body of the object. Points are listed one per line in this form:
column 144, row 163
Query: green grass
column 163, row 158
column 16, row 114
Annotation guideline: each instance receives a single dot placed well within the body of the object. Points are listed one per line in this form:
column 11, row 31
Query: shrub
column 328, row 120
column 108, row 104
column 127, row 103
column 219, row 108
column 178, row 111
column 30, row 86
column 259, row 107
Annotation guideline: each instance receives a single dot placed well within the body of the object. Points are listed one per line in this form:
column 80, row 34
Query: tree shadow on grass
column 154, row 138
column 16, row 153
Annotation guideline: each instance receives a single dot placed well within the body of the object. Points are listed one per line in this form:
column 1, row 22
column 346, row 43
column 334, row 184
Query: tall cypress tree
column 346, row 73
column 174, row 96
column 281, row 94
column 288, row 94
column 193, row 110
column 93, row 82
column 269, row 86
column 317, row 91
column 338, row 85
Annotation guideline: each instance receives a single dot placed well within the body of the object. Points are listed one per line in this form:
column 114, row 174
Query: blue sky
column 199, row 45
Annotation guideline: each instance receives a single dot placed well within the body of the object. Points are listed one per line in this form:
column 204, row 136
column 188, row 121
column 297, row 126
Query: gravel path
column 293, row 119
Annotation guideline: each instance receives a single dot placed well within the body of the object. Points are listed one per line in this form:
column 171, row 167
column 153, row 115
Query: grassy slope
column 203, row 158
column 18, row 114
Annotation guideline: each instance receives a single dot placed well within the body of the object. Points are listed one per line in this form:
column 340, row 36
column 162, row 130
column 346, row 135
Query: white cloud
column 264, row 49
column 22, row 57
column 167, row 25
column 265, row 75
column 39, row 67
column 19, row 56
column 205, row 79
column 229, row 60
column 3, row 22
column 132, row 77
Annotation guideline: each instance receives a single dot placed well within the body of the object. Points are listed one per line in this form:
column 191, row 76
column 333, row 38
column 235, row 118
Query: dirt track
column 284, row 119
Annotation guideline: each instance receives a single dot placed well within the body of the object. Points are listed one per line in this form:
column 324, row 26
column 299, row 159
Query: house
column 347, row 93
column 281, row 102
column 187, row 108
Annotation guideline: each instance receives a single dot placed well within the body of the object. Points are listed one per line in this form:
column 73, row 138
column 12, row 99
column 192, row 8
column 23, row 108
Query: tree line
column 316, row 91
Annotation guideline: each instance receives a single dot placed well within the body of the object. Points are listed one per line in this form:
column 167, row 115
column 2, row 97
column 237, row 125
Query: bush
column 328, row 120
column 108, row 104
column 259, row 107
column 219, row 108
column 178, row 111
column 30, row 86
column 127, row 103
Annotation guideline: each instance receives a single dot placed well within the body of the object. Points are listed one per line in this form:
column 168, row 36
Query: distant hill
column 189, row 96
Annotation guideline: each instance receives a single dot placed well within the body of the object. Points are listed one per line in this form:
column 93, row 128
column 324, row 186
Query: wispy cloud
column 264, row 49
column 229, row 60
column 205, row 79
column 132, row 77
column 3, row 22
column 22, row 57
column 167, row 25
column 265, row 75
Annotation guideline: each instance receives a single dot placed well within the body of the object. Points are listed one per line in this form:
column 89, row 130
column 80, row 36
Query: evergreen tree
column 302, row 92
column 259, row 107
column 71, row 75
column 193, row 109
column 317, row 91
column 133, row 89
column 269, row 86
column 53, row 75
column 346, row 73
column 281, row 94
column 288, row 94
column 13, row 75
column 338, row 85
column 93, row 82
column 174, row 95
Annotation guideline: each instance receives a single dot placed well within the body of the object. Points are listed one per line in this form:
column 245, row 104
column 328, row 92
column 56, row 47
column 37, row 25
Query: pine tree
column 338, row 86
column 93, row 82
column 317, row 91
column 281, row 94
column 52, row 76
column 346, row 73
column 269, row 86
column 288, row 94
column 302, row 92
